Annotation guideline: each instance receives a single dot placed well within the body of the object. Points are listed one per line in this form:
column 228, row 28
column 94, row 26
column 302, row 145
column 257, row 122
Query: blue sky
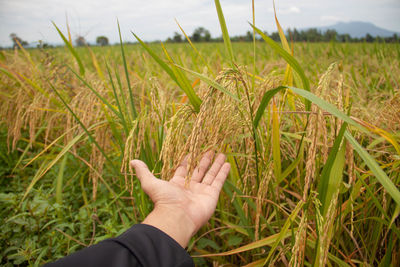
column 154, row 19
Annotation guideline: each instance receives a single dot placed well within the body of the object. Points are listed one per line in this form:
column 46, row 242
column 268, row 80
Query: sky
column 155, row 19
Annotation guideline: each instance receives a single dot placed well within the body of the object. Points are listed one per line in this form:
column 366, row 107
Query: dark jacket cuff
column 153, row 247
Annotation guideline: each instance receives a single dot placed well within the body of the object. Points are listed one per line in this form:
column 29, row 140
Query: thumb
column 144, row 175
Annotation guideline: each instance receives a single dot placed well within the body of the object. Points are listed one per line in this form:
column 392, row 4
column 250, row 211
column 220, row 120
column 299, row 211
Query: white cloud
column 285, row 11
column 293, row 10
column 332, row 18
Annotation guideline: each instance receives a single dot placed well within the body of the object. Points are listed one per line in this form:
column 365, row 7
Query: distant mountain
column 358, row 29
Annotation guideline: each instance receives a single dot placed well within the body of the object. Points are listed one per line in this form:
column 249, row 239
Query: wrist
column 172, row 221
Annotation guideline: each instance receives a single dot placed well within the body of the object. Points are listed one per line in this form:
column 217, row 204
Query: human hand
column 181, row 211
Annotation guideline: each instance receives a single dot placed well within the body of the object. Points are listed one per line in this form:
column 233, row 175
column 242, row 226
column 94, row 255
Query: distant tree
column 17, row 40
column 196, row 36
column 80, row 41
column 291, row 35
column 102, row 40
column 177, row 38
column 217, row 39
column 42, row 44
column 344, row 38
column 395, row 38
column 296, row 35
column 330, row 35
column 207, row 36
column 313, row 35
column 275, row 36
column 249, row 36
column 379, row 39
column 369, row 38
column 201, row 34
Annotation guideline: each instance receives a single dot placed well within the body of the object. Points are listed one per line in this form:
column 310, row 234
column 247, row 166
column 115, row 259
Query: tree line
column 79, row 41
column 201, row 34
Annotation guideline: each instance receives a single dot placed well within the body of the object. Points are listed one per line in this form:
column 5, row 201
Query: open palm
column 199, row 199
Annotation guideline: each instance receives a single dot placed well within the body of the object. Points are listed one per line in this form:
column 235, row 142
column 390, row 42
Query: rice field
column 311, row 131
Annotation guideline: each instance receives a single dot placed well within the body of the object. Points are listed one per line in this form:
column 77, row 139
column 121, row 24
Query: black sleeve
column 141, row 245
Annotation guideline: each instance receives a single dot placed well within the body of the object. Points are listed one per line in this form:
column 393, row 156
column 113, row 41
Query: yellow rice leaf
column 276, row 149
column 388, row 136
column 288, row 78
column 257, row 263
column 96, row 65
column 268, row 241
column 284, row 41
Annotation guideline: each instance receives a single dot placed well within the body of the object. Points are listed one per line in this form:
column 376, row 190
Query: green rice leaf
column 292, row 165
column 194, row 99
column 237, row 203
column 332, row 173
column 133, row 109
column 210, row 82
column 309, row 96
column 102, row 99
column 284, row 230
column 92, row 140
column 374, row 167
column 9, row 75
column 184, row 83
column 264, row 103
column 157, row 59
column 124, row 124
column 288, row 58
column 60, row 178
column 225, row 35
column 44, row 168
column 339, row 262
column 195, row 49
column 72, row 50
